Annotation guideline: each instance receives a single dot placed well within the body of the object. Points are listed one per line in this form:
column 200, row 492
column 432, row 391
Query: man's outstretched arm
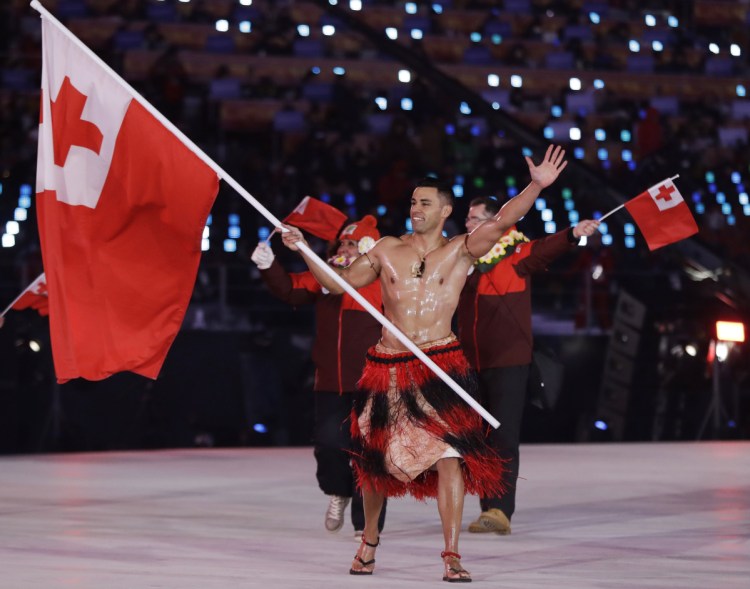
column 481, row 240
column 359, row 273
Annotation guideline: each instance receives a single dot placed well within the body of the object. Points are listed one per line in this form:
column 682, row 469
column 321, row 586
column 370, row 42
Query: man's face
column 348, row 248
column 427, row 210
column 477, row 215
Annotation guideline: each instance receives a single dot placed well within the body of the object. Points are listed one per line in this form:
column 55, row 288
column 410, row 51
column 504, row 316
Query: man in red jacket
column 494, row 326
column 344, row 332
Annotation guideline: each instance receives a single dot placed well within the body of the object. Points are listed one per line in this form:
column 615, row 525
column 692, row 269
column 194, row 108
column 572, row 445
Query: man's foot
column 335, row 513
column 454, row 572
column 364, row 560
column 492, row 520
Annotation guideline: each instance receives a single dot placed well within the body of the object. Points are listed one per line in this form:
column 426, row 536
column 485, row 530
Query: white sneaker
column 335, row 513
column 358, row 535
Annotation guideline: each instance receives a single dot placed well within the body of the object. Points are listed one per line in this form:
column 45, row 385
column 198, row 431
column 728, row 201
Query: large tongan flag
column 662, row 215
column 121, row 206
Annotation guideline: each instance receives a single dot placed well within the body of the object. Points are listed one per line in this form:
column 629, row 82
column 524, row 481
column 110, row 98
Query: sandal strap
column 363, row 562
column 371, row 545
column 449, row 553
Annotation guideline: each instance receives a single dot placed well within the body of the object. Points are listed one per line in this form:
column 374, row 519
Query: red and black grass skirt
column 405, row 419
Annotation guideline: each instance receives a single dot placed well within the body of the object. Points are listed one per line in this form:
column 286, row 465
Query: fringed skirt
column 405, row 419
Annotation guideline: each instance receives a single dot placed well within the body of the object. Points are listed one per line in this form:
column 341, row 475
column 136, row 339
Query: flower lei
column 502, row 249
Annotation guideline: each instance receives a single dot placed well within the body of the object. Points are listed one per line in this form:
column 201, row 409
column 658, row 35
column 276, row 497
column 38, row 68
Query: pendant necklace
column 417, row 268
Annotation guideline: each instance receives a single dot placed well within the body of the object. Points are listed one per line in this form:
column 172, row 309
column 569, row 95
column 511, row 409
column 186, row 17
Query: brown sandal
column 454, row 572
column 365, row 563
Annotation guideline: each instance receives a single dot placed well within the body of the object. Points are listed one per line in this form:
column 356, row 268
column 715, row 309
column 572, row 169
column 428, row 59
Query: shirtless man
column 417, row 435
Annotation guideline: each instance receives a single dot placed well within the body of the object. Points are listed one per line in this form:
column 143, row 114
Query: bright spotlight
column 730, row 331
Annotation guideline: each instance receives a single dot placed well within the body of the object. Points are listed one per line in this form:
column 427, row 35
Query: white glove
column 263, row 256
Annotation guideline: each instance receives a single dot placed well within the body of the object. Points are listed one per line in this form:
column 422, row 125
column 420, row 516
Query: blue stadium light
column 417, row 34
column 629, row 242
column 20, row 214
column 315, row 70
column 516, row 81
column 721, row 198
column 549, row 133
column 350, row 199
column 382, row 210
column 634, row 46
column 625, row 136
column 246, row 2
column 595, row 18
column 460, row 179
column 437, row 8
column 382, row 102
column 493, row 80
column 445, row 233
column 391, row 33
column 8, row 240
column 550, row 227
column 579, row 153
column 740, row 187
column 712, row 188
column 450, row 129
column 673, row 22
column 339, row 71
column 406, row 103
column 607, row 239
column 246, row 26
column 410, row 8
column 735, row 50
column 465, row 108
column 476, row 130
column 496, row 39
column 234, row 232
column 355, row 5
column 205, row 244
column 24, row 201
column 736, row 178
column 547, row 215
column 600, row 135
column 602, row 154
column 632, row 165
column 569, row 205
column 650, row 20
column 731, row 220
column 496, row 105
column 540, row 204
column 713, row 48
column 700, row 208
column 710, row 177
column 260, row 428
column 601, row 425
column 657, row 46
column 209, row 220
column 556, row 111
column 234, row 219
column 629, row 229
column 325, row 197
column 598, row 84
column 333, row 2
column 328, row 30
column 512, row 191
column 597, row 215
column 222, row 25
column 303, row 30
column 573, row 217
column 408, row 225
column 25, row 190
column 741, row 92
column 696, row 196
column 526, row 152
column 743, row 198
column 726, row 208
column 263, row 233
column 458, row 190
column 603, row 228
column 12, row 227
column 627, row 155
column 746, row 210
column 1, row 187
column 606, row 164
column 476, row 37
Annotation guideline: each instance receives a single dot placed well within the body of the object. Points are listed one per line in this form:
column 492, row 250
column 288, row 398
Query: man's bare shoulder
column 387, row 242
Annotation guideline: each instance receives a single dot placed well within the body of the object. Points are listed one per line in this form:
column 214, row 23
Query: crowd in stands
column 291, row 102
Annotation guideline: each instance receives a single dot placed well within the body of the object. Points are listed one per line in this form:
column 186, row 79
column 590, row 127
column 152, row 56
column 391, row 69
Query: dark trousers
column 333, row 443
column 503, row 393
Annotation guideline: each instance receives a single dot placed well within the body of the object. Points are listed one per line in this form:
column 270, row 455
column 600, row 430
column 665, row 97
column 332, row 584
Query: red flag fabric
column 662, row 215
column 318, row 218
column 121, row 207
column 34, row 297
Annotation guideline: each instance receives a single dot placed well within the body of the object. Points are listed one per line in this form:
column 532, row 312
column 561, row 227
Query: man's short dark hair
column 444, row 189
column 490, row 204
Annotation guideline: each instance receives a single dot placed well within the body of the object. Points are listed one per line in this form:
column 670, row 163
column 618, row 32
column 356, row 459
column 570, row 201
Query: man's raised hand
column 547, row 172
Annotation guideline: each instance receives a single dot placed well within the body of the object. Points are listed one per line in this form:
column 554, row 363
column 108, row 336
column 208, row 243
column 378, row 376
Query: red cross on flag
column 34, row 297
column 121, row 205
column 662, row 215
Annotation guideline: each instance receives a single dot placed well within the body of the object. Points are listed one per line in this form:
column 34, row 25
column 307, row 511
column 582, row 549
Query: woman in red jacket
column 344, row 333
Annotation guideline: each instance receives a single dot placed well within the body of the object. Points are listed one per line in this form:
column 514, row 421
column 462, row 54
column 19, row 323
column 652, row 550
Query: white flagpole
column 37, row 280
column 223, row 175
column 623, row 204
